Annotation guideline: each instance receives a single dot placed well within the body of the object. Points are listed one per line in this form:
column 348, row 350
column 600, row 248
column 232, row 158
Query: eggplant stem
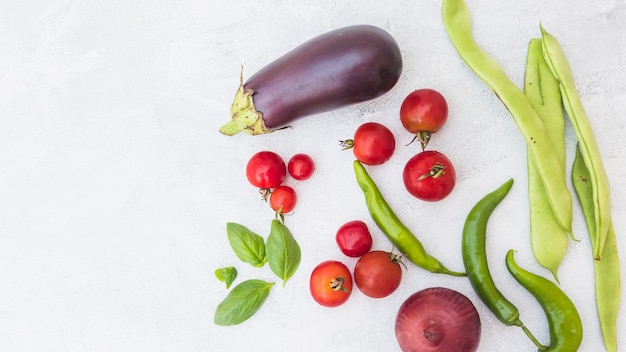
column 244, row 115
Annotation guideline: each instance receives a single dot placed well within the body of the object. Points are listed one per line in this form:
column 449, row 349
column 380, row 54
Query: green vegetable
column 557, row 61
column 607, row 271
column 247, row 245
column 226, row 275
column 283, row 252
column 242, row 302
column 548, row 239
column 566, row 329
column 401, row 237
column 475, row 260
column 457, row 22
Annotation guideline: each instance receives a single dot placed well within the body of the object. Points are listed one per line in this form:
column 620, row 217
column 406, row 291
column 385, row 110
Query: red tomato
column 429, row 176
column 373, row 143
column 424, row 111
column 354, row 238
column 301, row 166
column 378, row 274
column 283, row 199
column 266, row 169
column 330, row 283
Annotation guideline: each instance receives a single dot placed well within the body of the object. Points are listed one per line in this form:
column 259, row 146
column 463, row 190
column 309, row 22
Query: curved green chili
column 608, row 284
column 557, row 61
column 389, row 223
column 566, row 329
column 475, row 261
column 457, row 22
column 548, row 239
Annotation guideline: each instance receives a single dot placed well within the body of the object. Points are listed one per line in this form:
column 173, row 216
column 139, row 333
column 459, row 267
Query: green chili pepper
column 566, row 329
column 548, row 239
column 557, row 61
column 607, row 271
column 389, row 223
column 475, row 261
column 457, row 22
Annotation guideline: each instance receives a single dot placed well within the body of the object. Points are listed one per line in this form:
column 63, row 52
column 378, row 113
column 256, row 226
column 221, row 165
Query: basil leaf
column 242, row 302
column 247, row 245
column 226, row 275
column 283, row 252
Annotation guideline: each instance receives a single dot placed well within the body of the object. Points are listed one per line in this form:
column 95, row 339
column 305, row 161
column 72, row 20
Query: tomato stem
column 265, row 193
column 435, row 171
column 346, row 144
column 336, row 284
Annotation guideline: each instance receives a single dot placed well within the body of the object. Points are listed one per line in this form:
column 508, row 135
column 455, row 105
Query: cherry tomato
column 429, row 176
column 266, row 170
column 424, row 111
column 373, row 143
column 283, row 199
column 354, row 238
column 378, row 274
column 331, row 283
column 301, row 166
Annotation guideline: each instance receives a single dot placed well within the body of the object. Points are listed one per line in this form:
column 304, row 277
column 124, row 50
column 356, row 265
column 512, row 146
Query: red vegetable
column 423, row 112
column 438, row 319
column 354, row 239
column 283, row 199
column 342, row 67
column 301, row 166
column 378, row 274
column 429, row 176
column 330, row 283
column 266, row 170
column 373, row 143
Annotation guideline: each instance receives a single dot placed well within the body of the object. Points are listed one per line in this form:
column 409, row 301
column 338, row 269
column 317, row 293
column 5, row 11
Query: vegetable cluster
column 333, row 77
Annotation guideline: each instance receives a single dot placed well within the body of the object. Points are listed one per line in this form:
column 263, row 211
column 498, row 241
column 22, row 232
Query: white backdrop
column 115, row 185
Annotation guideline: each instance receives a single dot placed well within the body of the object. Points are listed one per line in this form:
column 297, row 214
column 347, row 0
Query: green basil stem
column 566, row 328
column 457, row 22
column 549, row 241
column 608, row 287
column 559, row 65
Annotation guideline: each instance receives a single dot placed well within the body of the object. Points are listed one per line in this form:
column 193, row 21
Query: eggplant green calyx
column 244, row 115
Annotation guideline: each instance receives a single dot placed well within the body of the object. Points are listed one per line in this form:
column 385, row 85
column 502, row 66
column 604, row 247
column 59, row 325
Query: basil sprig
column 283, row 252
column 242, row 302
column 247, row 245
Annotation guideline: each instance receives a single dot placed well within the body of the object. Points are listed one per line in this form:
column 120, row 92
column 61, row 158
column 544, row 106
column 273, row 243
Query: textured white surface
column 116, row 186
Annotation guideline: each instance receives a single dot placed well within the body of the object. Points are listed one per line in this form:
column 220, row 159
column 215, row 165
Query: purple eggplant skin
column 336, row 69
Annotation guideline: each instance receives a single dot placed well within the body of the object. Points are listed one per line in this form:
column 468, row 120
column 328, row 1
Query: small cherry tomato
column 354, row 238
column 373, row 143
column 423, row 112
column 331, row 283
column 378, row 274
column 266, row 170
column 429, row 176
column 301, row 166
column 283, row 199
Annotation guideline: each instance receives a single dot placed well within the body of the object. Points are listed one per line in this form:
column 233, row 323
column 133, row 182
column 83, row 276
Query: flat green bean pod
column 549, row 241
column 457, row 22
column 559, row 65
column 608, row 284
column 566, row 328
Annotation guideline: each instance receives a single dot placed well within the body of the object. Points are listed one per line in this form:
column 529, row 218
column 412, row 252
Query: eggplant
column 336, row 69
